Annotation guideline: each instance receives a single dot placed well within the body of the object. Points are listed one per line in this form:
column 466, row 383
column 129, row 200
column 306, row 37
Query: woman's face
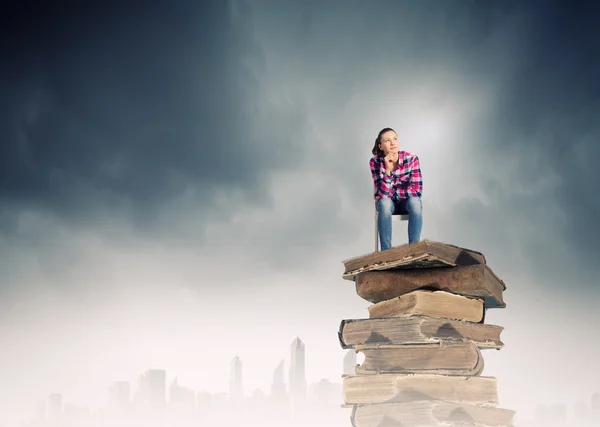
column 388, row 142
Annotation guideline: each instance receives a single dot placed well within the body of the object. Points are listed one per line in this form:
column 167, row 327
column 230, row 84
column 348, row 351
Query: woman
column 398, row 187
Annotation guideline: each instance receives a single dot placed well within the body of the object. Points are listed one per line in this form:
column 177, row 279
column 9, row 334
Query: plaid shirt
column 404, row 182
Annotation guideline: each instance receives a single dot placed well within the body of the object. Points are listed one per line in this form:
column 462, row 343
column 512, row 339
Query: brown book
column 364, row 389
column 373, row 333
column 476, row 281
column 430, row 303
column 424, row 254
column 429, row 413
column 447, row 358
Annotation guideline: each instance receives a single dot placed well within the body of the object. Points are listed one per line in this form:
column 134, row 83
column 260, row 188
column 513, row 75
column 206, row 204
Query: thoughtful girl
column 398, row 187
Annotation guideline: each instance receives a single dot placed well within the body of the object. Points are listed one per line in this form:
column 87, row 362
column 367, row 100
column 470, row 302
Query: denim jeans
column 388, row 207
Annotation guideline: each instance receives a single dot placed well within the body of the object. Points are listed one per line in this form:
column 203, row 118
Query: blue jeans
column 388, row 207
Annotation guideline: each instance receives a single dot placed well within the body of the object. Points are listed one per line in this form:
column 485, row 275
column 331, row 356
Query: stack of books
column 423, row 339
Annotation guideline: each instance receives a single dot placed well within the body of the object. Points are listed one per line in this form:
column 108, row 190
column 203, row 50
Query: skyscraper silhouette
column 297, row 377
column 278, row 384
column 119, row 395
column 55, row 406
column 236, row 392
column 151, row 396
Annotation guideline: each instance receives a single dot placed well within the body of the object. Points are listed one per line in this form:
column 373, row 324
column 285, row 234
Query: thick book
column 446, row 358
column 366, row 389
column 429, row 413
column 430, row 303
column 424, row 254
column 375, row 333
column 476, row 281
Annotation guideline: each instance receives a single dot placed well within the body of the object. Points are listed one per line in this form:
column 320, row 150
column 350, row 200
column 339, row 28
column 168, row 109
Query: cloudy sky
column 181, row 181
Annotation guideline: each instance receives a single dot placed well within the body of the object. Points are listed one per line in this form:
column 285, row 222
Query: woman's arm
column 382, row 182
column 415, row 186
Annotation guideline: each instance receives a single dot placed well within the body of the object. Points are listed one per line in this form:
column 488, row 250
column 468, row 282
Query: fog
column 180, row 183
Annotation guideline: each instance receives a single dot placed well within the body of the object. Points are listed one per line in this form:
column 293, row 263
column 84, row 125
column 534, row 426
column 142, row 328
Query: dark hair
column 376, row 150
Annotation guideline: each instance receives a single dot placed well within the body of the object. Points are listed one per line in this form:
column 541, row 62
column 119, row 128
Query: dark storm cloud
column 129, row 105
column 125, row 109
column 548, row 120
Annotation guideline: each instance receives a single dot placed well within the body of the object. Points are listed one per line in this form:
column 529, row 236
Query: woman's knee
column 414, row 205
column 385, row 205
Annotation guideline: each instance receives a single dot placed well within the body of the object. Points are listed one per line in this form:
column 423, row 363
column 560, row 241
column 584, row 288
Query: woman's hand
column 391, row 162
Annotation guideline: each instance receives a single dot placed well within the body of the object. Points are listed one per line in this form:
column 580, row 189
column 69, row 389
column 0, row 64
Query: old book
column 372, row 333
column 477, row 281
column 430, row 303
column 429, row 412
column 461, row 358
column 478, row 390
column 424, row 254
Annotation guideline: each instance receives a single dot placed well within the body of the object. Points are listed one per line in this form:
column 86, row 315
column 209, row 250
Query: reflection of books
column 429, row 413
column 382, row 388
column 422, row 341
